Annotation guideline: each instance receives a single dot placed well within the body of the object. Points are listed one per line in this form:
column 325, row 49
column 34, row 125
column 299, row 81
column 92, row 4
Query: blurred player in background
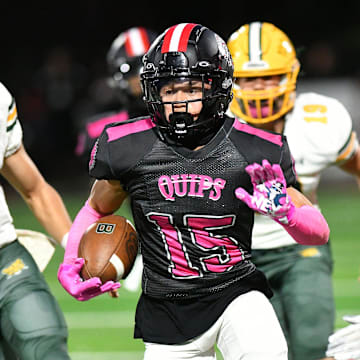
column 319, row 131
column 184, row 168
column 32, row 324
column 124, row 65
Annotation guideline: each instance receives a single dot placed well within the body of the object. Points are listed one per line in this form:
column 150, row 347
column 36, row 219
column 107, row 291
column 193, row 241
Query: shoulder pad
column 122, row 129
column 8, row 111
column 321, row 125
column 5, row 97
column 97, row 123
column 265, row 135
column 120, row 146
column 256, row 145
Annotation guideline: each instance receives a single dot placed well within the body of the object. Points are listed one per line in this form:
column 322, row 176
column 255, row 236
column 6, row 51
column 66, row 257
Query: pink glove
column 305, row 224
column 269, row 197
column 69, row 270
column 81, row 290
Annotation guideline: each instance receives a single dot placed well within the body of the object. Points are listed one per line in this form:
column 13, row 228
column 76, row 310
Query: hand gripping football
column 109, row 247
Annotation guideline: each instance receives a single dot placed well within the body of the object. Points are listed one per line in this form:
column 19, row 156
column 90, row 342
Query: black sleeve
column 120, row 147
column 287, row 164
column 255, row 149
column 270, row 146
column 99, row 167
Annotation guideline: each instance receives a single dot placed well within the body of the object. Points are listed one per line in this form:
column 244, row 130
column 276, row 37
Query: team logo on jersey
column 15, row 268
column 310, row 252
column 105, row 228
column 193, row 185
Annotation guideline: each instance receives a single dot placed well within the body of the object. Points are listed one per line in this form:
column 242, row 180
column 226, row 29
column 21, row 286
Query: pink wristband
column 85, row 217
column 308, row 226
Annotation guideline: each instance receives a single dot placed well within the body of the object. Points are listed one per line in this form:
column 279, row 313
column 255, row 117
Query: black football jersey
column 195, row 235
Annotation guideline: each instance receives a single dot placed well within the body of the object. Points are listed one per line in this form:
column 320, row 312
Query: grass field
column 102, row 328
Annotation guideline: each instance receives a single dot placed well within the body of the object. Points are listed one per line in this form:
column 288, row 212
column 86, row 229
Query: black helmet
column 125, row 54
column 188, row 51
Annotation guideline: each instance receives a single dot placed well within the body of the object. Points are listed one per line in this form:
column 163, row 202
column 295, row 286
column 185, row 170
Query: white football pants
column 132, row 282
column 247, row 330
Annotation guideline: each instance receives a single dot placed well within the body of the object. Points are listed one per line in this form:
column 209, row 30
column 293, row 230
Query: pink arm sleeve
column 308, row 226
column 85, row 217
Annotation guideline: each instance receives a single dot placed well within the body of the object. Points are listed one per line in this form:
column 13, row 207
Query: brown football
column 109, row 247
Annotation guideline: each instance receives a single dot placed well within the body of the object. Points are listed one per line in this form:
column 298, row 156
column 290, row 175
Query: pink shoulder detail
column 274, row 138
column 118, row 132
column 95, row 128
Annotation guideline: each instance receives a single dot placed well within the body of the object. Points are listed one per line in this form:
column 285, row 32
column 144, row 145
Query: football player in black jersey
column 195, row 177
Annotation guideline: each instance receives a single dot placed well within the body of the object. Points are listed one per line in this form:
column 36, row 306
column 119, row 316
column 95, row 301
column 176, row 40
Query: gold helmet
column 261, row 49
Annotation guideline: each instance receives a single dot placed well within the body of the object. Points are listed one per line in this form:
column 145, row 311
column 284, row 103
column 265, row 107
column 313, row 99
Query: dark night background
column 36, row 34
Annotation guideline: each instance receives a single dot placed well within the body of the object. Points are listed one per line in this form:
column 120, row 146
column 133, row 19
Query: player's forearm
column 307, row 226
column 49, row 209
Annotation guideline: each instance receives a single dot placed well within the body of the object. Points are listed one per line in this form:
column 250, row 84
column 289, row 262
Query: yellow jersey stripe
column 348, row 149
column 12, row 114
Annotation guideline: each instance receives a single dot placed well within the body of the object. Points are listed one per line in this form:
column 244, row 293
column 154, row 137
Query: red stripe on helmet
column 128, row 47
column 177, row 38
column 136, row 42
column 145, row 39
column 185, row 37
column 166, row 43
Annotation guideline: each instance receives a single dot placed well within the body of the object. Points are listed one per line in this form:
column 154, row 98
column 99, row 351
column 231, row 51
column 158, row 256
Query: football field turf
column 102, row 328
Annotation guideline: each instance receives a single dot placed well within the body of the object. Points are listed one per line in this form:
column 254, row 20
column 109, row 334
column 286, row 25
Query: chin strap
column 179, row 123
column 184, row 132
